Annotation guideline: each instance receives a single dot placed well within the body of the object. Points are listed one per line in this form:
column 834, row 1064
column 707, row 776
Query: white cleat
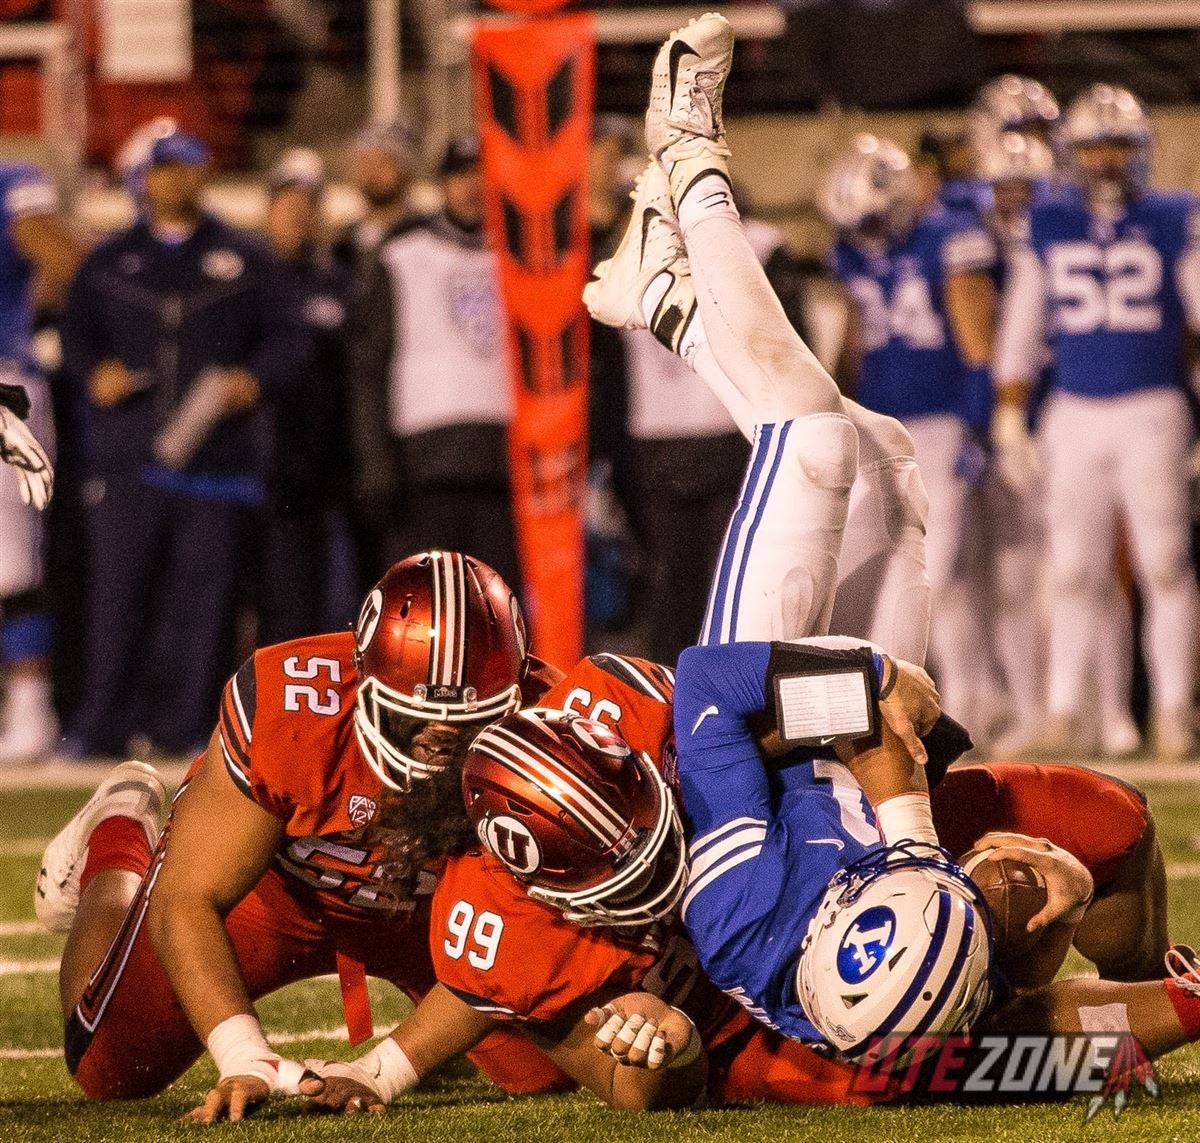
column 131, row 790
column 647, row 283
column 688, row 83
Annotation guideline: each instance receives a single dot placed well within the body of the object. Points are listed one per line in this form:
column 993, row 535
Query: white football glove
column 20, row 448
column 1016, row 454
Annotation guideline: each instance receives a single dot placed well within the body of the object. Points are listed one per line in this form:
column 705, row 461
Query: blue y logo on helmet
column 866, row 943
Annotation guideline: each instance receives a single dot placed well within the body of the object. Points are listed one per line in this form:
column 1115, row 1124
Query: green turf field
column 39, row 1102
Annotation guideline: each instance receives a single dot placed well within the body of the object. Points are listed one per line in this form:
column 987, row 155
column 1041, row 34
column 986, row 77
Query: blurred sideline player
column 270, row 868
column 37, row 259
column 1112, row 272
column 920, row 303
column 1014, row 132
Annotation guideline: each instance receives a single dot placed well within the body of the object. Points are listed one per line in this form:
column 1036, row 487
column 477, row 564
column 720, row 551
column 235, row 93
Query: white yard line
column 20, row 928
column 28, row 967
column 306, row 1037
column 24, row 846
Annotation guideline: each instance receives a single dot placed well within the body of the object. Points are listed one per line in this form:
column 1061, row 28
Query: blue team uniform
column 1116, row 317
column 24, row 191
column 971, row 196
column 764, row 842
column 911, row 366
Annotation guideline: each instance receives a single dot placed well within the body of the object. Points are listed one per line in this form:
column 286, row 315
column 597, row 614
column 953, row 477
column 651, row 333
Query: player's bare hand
column 1069, row 884
column 236, row 1096
column 346, row 1091
column 239, row 390
column 640, row 1030
column 911, row 707
column 231, row 1099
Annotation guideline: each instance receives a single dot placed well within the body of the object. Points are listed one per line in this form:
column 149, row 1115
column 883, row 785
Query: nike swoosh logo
column 826, row 841
column 679, row 49
column 703, row 715
column 648, row 216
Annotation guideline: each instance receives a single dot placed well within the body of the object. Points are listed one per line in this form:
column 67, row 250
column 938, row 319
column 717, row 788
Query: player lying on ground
column 764, row 926
column 269, row 869
column 554, row 920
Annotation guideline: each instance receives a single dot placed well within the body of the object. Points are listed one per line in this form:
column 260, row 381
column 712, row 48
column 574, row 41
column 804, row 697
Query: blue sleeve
column 722, row 777
column 978, row 397
column 841, row 261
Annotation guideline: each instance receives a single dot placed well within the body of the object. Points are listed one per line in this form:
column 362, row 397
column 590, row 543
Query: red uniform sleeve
column 631, row 695
column 1096, row 818
column 511, row 958
column 285, row 722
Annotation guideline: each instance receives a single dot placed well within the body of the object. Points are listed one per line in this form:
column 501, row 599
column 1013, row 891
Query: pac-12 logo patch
column 368, row 620
column 512, row 843
column 866, row 943
column 361, row 809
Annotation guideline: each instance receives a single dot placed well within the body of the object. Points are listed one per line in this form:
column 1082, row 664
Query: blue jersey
column 24, row 191
column 764, row 844
column 1117, row 290
column 970, row 196
column 911, row 366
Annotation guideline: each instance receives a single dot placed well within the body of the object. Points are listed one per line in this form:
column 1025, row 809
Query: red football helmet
column 586, row 824
column 440, row 638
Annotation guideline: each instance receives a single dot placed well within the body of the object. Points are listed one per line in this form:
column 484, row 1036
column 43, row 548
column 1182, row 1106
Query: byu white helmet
column 901, row 946
column 872, row 181
column 1106, row 113
column 1012, row 157
column 1015, row 103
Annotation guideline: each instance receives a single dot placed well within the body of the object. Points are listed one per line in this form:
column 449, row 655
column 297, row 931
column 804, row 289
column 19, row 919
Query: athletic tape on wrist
column 906, row 817
column 389, row 1068
column 239, row 1048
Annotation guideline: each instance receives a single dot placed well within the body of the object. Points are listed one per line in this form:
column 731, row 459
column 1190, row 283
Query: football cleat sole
column 132, row 790
column 688, row 83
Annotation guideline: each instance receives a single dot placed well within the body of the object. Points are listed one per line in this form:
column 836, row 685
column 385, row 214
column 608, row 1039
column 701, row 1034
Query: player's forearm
column 440, row 1028
column 190, row 938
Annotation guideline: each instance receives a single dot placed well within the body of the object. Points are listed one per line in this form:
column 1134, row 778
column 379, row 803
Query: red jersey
column 515, row 959
column 631, row 695
column 287, row 737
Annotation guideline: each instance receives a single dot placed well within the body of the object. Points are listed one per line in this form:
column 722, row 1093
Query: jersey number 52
column 1112, row 287
column 318, row 667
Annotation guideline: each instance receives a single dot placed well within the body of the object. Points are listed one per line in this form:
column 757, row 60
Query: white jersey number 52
column 1112, row 287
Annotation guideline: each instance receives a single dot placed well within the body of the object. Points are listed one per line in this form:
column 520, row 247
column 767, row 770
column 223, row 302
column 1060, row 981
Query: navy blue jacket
column 168, row 313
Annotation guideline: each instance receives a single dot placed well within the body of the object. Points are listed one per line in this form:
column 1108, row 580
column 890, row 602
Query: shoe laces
column 1183, row 967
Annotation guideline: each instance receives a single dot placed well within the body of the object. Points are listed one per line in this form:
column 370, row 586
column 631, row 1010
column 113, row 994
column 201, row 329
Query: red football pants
column 129, row 1037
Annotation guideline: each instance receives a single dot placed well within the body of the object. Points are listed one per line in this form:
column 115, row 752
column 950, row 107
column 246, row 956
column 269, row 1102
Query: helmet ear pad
column 586, row 824
column 900, row 947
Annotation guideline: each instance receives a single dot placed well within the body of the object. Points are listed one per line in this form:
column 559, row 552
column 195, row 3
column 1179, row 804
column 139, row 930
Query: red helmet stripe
column 435, row 624
column 566, row 788
column 459, row 645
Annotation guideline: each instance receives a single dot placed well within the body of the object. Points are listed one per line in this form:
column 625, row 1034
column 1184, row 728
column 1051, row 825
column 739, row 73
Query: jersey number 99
column 479, row 937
